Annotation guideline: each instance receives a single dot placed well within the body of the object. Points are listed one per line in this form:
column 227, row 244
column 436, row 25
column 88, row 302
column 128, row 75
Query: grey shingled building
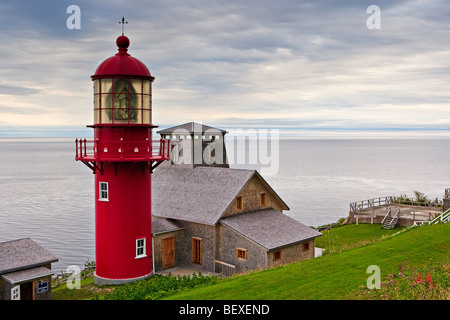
column 25, row 270
column 217, row 218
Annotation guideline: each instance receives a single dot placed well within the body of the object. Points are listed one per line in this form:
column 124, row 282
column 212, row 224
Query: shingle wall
column 251, row 198
column 206, row 233
column 291, row 254
column 228, row 241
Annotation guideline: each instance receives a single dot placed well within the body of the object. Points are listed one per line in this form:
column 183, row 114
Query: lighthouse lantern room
column 122, row 156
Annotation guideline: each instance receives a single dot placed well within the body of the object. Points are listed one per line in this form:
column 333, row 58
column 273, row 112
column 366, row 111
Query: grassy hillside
column 333, row 276
column 351, row 236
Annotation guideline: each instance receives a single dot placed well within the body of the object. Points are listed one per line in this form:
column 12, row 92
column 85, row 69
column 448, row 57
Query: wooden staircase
column 390, row 222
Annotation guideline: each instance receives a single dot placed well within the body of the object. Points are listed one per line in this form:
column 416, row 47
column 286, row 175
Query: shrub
column 158, row 287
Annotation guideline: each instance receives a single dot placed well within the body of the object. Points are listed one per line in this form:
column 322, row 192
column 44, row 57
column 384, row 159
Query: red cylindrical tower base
column 123, row 222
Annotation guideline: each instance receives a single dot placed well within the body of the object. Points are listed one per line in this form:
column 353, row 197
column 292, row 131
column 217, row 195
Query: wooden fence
column 389, row 200
column 370, row 203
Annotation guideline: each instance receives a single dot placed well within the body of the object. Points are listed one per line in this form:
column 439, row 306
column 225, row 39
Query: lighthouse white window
column 140, row 248
column 103, row 191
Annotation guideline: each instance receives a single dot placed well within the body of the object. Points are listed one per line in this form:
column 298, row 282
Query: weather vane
column 123, row 22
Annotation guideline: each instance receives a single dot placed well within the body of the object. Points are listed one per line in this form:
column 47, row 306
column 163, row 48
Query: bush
column 158, row 287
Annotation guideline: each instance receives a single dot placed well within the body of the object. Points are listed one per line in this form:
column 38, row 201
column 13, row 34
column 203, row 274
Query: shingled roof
column 23, row 253
column 164, row 225
column 201, row 194
column 269, row 228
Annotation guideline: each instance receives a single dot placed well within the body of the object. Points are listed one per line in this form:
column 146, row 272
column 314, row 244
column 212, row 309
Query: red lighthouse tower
column 122, row 157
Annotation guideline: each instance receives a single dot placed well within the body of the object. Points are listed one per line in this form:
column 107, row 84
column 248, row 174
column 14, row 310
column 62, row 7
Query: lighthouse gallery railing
column 122, row 149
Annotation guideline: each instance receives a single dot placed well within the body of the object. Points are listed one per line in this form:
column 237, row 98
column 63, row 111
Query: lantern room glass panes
column 122, row 101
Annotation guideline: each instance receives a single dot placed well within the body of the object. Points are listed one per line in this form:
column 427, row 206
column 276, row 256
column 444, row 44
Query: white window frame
column 141, row 247
column 15, row 293
column 100, row 191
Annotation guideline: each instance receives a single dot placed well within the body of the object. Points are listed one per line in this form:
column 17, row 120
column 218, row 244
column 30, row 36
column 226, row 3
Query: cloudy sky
column 308, row 68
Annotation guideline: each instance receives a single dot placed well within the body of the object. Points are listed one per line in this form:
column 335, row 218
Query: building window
column 197, row 250
column 262, row 199
column 15, row 293
column 239, row 203
column 241, row 253
column 140, row 248
column 42, row 286
column 277, row 255
column 103, row 191
column 305, row 246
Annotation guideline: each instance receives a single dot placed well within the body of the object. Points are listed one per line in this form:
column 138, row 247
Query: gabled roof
column 200, row 194
column 21, row 254
column 269, row 228
column 191, row 127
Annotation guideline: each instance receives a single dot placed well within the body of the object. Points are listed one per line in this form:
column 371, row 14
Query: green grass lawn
column 333, row 276
column 351, row 236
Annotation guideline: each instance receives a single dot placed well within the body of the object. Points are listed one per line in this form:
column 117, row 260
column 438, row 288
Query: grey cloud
column 22, row 111
column 258, row 57
column 14, row 90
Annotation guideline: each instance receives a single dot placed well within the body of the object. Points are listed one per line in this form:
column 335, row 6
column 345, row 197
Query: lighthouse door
column 168, row 252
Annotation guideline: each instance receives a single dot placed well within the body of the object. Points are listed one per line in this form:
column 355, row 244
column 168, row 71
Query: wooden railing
column 442, row 218
column 389, row 200
column 370, row 203
column 224, row 268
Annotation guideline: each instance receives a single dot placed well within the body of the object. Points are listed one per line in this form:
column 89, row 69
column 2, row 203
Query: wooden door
column 168, row 252
column 26, row 291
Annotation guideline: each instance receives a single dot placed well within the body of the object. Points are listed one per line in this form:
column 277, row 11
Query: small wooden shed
column 25, row 270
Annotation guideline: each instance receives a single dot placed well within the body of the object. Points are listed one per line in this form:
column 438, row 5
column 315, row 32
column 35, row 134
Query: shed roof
column 270, row 228
column 23, row 253
column 200, row 194
column 165, row 225
column 26, row 275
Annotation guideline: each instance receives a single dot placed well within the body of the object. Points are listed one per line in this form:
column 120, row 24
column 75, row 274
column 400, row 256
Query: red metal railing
column 127, row 150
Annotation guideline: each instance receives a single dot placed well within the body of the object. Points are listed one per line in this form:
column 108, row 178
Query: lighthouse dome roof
column 122, row 64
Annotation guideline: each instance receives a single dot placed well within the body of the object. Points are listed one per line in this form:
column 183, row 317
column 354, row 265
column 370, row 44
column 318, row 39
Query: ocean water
column 49, row 197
